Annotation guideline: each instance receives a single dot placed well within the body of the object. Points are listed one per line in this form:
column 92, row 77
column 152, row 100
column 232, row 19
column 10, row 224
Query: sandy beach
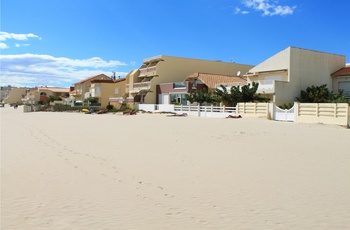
column 150, row 171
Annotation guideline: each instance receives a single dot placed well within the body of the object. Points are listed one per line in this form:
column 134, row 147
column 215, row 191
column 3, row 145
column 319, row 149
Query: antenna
column 238, row 73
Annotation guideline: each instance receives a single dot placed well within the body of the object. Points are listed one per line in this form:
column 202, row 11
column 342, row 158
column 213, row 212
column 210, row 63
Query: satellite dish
column 238, row 73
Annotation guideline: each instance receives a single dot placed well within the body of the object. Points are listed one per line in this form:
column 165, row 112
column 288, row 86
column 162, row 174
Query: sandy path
column 78, row 171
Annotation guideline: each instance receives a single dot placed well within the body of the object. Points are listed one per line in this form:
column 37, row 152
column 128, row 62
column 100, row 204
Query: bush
column 110, row 107
column 320, row 94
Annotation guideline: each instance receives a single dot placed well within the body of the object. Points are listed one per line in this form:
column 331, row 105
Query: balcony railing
column 266, row 86
column 150, row 71
column 75, row 92
column 137, row 87
column 117, row 99
column 229, row 85
column 95, row 94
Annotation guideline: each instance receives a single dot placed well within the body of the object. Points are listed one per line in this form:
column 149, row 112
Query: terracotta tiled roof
column 211, row 80
column 108, row 80
column 342, row 72
column 93, row 77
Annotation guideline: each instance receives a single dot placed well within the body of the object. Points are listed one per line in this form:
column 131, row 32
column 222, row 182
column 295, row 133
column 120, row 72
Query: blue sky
column 60, row 42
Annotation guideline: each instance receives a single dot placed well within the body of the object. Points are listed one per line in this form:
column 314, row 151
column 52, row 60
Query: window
column 178, row 99
column 116, row 90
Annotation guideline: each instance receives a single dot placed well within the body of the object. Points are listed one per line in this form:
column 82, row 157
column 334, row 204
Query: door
column 165, row 99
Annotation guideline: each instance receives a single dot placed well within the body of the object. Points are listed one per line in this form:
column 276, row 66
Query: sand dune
column 79, row 171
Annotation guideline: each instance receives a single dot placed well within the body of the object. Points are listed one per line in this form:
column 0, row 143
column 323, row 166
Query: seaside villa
column 282, row 76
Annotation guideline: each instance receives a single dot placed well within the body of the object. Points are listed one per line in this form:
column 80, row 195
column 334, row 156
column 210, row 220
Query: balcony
column 228, row 85
column 150, row 71
column 95, row 94
column 117, row 99
column 137, row 87
column 266, row 86
column 75, row 92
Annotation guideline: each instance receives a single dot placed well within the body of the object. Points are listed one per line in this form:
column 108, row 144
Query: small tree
column 109, row 106
column 91, row 100
column 201, row 96
column 52, row 99
column 245, row 94
column 320, row 94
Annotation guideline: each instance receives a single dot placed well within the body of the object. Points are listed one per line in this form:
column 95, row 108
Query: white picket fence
column 195, row 110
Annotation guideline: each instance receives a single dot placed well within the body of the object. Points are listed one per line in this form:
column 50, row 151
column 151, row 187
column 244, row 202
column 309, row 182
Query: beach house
column 38, row 95
column 108, row 91
column 175, row 92
column 82, row 89
column 341, row 81
column 141, row 83
column 282, row 76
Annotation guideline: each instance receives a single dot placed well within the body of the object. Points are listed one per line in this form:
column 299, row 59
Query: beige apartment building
column 81, row 90
column 15, row 95
column 101, row 87
column 141, row 83
column 282, row 76
column 106, row 90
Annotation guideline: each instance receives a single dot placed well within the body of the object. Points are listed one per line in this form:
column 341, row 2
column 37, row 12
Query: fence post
column 296, row 111
column 317, row 110
column 199, row 110
column 335, row 107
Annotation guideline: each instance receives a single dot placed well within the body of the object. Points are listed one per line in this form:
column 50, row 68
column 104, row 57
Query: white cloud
column 239, row 11
column 36, row 69
column 3, row 45
column 19, row 45
column 269, row 7
column 4, row 36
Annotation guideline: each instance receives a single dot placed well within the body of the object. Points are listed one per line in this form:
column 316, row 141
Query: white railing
column 266, row 86
column 195, row 110
column 117, row 99
column 145, row 71
column 228, row 85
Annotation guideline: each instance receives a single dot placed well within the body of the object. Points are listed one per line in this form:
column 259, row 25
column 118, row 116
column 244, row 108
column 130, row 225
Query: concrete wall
column 326, row 113
column 251, row 109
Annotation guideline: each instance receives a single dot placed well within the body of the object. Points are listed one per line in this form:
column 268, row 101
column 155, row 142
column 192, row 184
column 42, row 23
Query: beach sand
column 150, row 171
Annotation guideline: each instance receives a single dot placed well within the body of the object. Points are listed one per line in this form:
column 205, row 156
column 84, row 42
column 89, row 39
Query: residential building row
column 167, row 79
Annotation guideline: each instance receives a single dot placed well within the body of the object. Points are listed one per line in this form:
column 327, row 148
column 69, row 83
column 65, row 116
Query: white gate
column 284, row 114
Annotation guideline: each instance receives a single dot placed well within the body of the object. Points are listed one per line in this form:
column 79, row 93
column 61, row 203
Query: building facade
column 141, row 84
column 82, row 89
column 282, row 76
